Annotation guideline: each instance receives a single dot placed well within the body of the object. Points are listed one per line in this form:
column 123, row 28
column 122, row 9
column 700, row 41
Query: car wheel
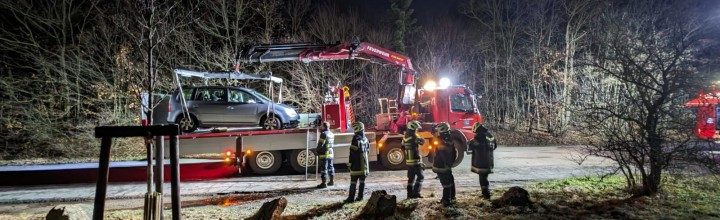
column 392, row 156
column 298, row 158
column 270, row 123
column 187, row 124
column 265, row 162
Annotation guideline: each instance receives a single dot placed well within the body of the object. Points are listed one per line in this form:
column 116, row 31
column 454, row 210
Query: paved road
column 514, row 165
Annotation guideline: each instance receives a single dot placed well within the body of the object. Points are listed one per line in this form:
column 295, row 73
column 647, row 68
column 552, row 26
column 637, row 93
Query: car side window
column 238, row 96
column 211, row 95
column 187, row 93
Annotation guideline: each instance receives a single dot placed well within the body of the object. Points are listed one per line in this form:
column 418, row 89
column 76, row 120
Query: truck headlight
column 290, row 112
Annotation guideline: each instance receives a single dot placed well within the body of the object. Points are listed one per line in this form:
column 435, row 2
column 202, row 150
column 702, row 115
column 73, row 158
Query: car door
column 210, row 104
column 242, row 107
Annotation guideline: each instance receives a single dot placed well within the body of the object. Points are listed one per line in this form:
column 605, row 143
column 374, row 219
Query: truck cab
column 455, row 105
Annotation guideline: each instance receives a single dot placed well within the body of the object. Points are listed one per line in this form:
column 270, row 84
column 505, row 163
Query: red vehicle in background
column 708, row 112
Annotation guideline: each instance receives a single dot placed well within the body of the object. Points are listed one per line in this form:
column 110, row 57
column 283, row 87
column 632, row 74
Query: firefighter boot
column 331, row 183
column 485, row 192
column 361, row 189
column 351, row 196
column 446, row 197
column 417, row 188
column 452, row 194
column 322, row 185
column 410, row 194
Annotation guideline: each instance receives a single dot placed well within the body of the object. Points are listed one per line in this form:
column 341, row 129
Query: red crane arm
column 307, row 53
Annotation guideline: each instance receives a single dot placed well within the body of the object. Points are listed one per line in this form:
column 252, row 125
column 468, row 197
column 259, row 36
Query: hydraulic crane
column 453, row 104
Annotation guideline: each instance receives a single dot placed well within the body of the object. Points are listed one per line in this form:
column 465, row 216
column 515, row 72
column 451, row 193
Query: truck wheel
column 297, row 161
column 265, row 162
column 460, row 143
column 392, row 156
column 187, row 124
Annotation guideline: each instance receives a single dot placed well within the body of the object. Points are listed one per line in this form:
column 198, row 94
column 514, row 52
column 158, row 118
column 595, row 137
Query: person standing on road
column 482, row 147
column 445, row 154
column 358, row 161
column 325, row 151
column 411, row 143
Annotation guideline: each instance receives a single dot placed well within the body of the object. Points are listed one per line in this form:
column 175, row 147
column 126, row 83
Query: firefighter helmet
column 325, row 125
column 443, row 127
column 358, row 126
column 476, row 127
column 414, row 125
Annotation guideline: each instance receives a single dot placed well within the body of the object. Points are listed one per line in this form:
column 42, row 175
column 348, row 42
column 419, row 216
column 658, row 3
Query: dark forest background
column 559, row 68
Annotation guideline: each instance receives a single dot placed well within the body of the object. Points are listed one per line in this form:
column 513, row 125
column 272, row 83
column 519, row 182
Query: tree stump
column 380, row 205
column 270, row 210
column 515, row 196
column 70, row 212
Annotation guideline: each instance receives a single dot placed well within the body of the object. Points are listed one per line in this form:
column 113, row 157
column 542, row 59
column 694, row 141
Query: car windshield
column 260, row 95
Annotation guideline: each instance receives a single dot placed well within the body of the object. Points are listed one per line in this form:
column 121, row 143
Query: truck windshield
column 460, row 103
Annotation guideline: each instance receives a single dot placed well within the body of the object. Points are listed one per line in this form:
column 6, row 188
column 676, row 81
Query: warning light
column 227, row 159
column 380, row 144
column 435, row 142
column 430, row 147
column 248, row 151
column 228, row 153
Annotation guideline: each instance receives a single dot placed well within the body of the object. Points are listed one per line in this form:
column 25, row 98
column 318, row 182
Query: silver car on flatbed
column 209, row 106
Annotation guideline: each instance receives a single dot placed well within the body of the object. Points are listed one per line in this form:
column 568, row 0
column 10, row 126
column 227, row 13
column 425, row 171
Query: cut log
column 70, row 212
column 270, row 210
column 515, row 196
column 380, row 205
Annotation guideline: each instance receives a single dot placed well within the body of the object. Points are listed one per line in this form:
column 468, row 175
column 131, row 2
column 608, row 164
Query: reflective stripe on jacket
column 358, row 162
column 444, row 155
column 411, row 144
column 325, row 144
column 482, row 147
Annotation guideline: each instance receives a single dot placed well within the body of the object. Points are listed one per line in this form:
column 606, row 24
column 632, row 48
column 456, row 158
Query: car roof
column 221, row 87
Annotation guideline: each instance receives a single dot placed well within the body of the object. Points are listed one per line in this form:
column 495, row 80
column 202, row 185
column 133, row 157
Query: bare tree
column 651, row 48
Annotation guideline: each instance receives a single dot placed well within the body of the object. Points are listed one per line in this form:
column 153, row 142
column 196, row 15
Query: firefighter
column 358, row 161
column 325, row 151
column 410, row 144
column 445, row 154
column 482, row 147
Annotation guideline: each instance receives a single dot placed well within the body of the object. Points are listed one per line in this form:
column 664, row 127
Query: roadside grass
column 682, row 197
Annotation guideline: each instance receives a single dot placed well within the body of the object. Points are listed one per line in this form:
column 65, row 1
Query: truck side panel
column 273, row 142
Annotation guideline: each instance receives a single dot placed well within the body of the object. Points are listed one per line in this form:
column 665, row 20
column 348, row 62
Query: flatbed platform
column 120, row 171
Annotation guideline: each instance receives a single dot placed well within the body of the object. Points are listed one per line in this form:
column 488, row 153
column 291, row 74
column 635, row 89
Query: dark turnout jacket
column 411, row 145
column 358, row 161
column 482, row 147
column 444, row 155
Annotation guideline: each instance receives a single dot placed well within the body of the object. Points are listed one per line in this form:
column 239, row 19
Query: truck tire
column 297, row 161
column 265, row 162
column 392, row 156
column 460, row 143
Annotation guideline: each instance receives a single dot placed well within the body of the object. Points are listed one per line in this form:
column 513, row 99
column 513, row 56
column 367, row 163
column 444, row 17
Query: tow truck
column 263, row 151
